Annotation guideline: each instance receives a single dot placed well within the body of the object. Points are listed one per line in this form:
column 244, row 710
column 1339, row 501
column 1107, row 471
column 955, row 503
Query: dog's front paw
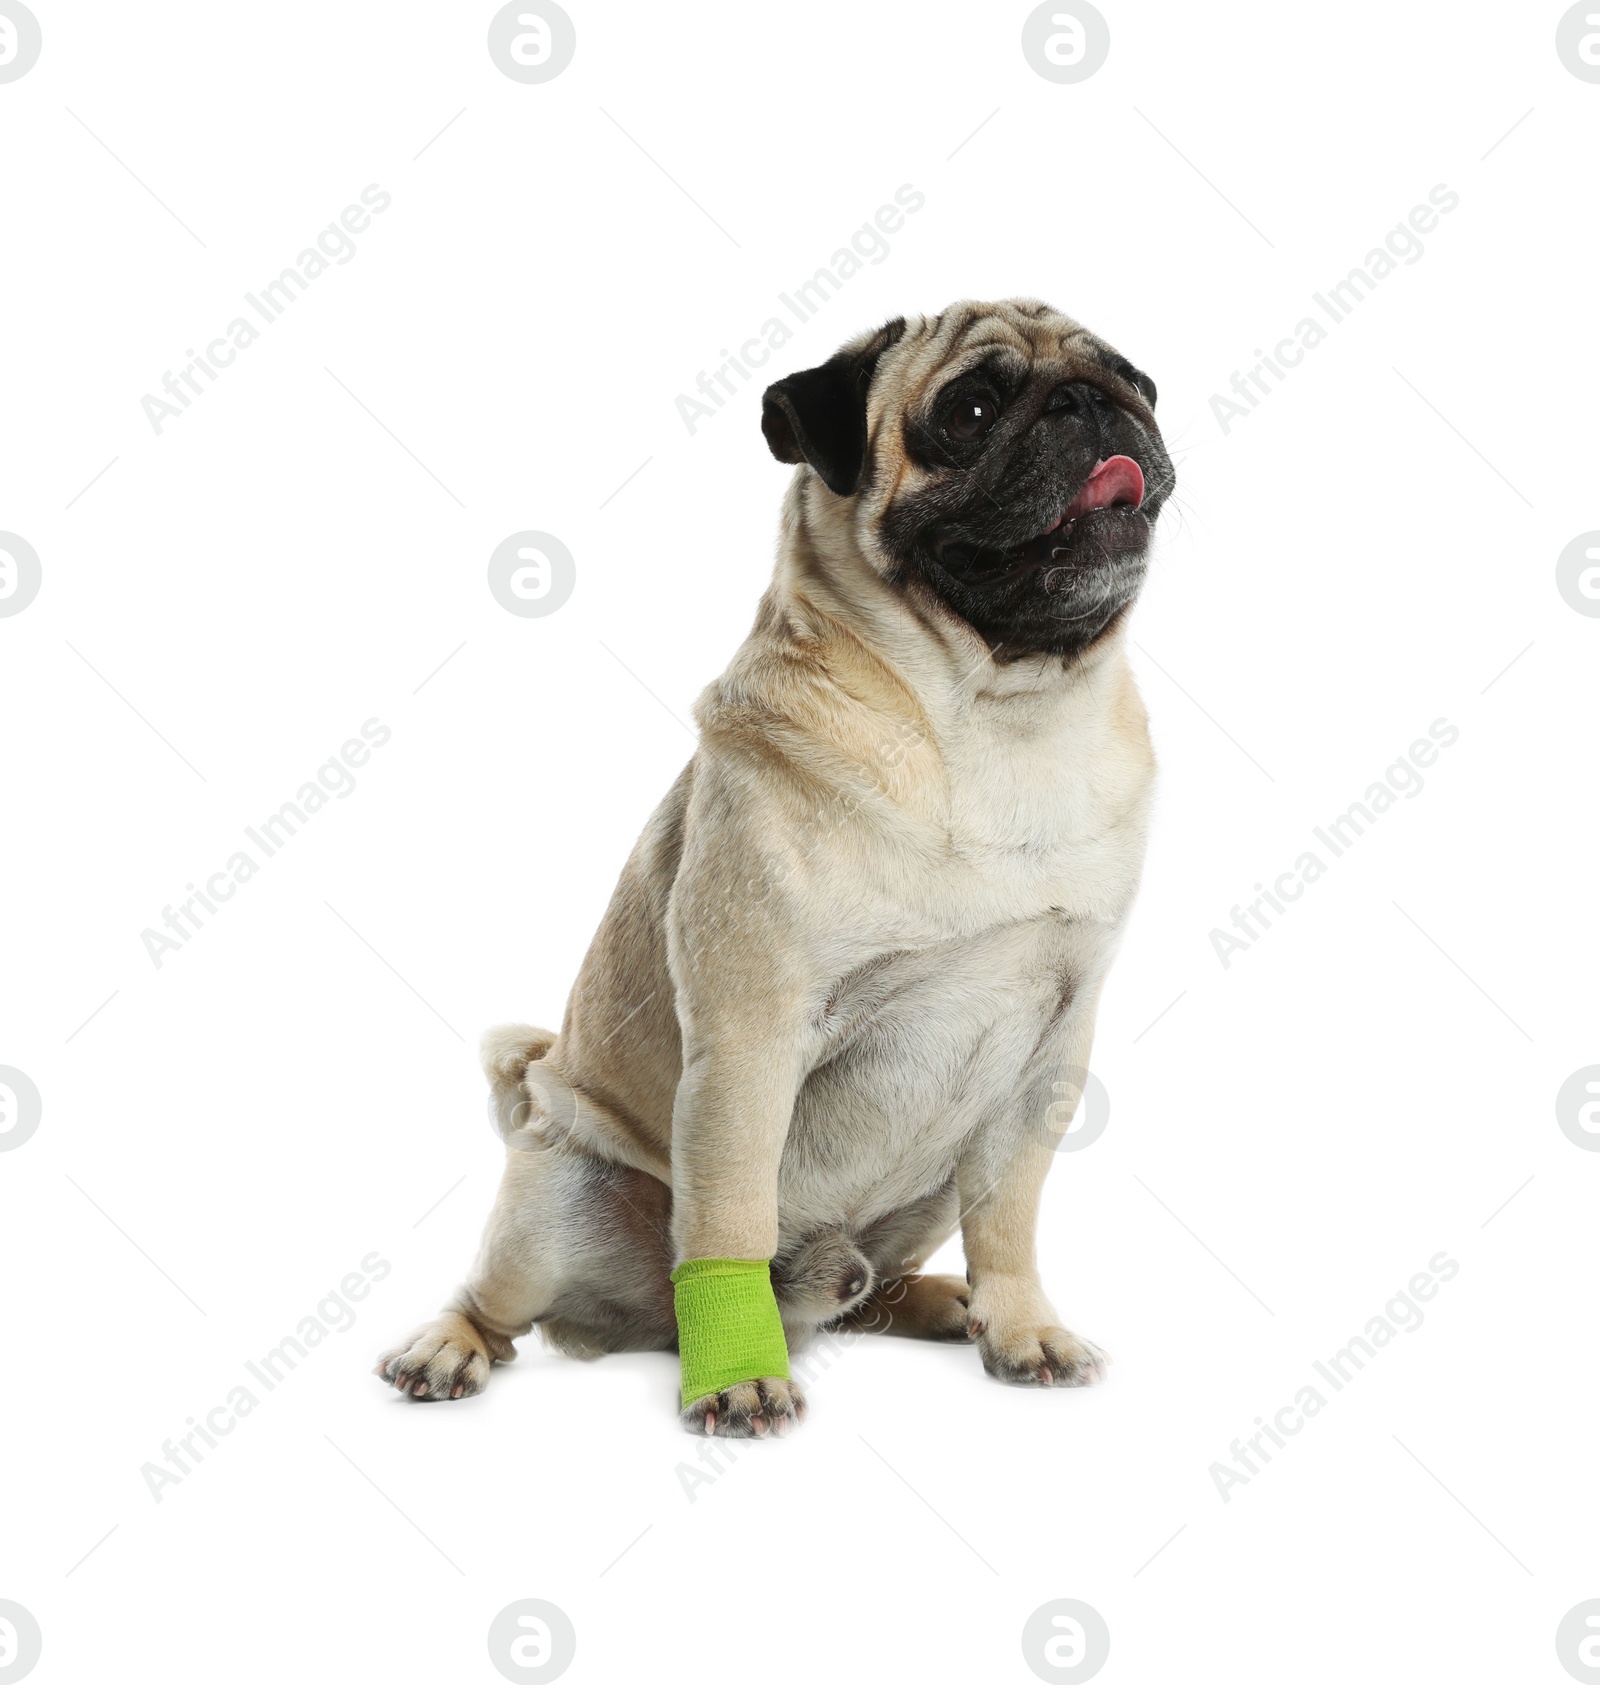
column 1040, row 1357
column 750, row 1410
column 445, row 1358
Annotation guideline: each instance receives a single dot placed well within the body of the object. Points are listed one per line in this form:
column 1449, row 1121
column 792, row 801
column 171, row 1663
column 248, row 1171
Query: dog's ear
column 819, row 416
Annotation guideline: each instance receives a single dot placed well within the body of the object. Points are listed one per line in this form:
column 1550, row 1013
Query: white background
column 1353, row 1095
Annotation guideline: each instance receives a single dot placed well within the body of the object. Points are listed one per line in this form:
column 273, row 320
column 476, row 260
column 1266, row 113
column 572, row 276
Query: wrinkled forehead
column 1018, row 339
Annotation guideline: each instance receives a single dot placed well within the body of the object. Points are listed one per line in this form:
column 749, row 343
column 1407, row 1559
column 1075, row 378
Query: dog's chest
column 1026, row 823
column 918, row 1048
column 982, row 954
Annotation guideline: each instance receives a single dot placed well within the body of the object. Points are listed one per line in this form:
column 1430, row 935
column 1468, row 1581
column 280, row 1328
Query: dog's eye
column 970, row 418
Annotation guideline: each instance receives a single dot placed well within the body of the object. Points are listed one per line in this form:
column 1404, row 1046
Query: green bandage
column 729, row 1329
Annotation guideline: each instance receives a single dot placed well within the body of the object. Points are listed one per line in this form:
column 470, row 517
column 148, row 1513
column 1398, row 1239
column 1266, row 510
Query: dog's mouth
column 1104, row 519
column 1117, row 482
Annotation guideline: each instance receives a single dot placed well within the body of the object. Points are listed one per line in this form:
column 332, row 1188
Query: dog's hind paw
column 445, row 1358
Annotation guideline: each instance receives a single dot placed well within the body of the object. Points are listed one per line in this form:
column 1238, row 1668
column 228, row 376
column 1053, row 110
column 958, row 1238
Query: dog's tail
column 507, row 1051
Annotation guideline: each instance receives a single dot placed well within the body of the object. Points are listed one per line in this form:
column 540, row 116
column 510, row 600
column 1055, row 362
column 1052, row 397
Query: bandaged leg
column 729, row 1329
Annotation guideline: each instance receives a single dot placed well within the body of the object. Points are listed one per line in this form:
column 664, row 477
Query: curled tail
column 506, row 1052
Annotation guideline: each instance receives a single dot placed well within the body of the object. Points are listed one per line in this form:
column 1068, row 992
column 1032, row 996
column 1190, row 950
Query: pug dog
column 842, row 1000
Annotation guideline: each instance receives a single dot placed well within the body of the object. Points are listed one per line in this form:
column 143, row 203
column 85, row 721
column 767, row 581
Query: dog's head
column 998, row 456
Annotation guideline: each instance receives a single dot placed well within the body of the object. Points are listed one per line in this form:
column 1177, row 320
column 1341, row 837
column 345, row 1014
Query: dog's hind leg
column 511, row 1283
column 904, row 1301
column 575, row 1242
column 922, row 1307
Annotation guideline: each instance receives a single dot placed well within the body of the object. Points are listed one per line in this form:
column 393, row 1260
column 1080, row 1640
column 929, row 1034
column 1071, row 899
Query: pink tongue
column 1118, row 479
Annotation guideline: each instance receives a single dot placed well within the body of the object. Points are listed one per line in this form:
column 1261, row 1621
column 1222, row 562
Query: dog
column 842, row 1000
